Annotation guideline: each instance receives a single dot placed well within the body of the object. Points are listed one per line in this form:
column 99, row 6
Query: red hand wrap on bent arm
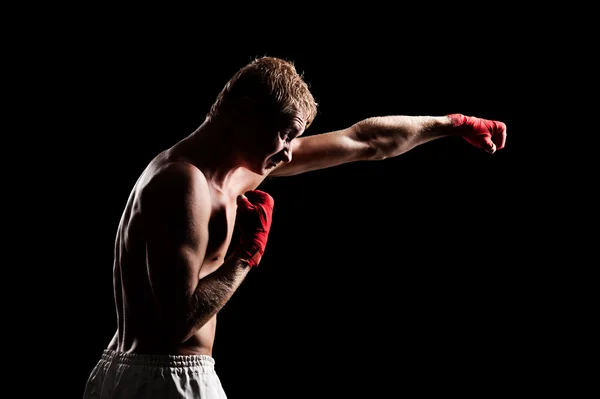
column 482, row 133
column 254, row 217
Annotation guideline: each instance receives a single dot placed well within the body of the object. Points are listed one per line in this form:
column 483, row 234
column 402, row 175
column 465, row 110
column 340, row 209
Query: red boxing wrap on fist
column 254, row 216
column 482, row 133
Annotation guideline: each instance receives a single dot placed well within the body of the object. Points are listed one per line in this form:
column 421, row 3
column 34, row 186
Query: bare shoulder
column 178, row 173
column 176, row 183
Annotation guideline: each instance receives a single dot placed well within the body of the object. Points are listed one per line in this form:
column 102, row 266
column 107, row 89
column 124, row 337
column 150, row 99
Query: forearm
column 390, row 136
column 373, row 138
column 212, row 293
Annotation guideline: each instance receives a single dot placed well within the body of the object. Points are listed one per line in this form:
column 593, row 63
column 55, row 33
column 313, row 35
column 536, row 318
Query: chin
column 267, row 167
column 262, row 170
column 266, row 170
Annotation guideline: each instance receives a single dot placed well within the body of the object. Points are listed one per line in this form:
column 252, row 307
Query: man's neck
column 212, row 149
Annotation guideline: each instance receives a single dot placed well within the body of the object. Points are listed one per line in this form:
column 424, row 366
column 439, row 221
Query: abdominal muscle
column 201, row 343
column 137, row 331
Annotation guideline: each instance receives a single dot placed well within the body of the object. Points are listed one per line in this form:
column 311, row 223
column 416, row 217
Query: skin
column 172, row 269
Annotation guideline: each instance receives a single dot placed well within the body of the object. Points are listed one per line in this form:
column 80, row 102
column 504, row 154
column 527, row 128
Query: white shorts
column 123, row 375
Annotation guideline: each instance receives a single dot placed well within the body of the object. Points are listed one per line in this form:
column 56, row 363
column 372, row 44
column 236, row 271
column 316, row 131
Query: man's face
column 273, row 143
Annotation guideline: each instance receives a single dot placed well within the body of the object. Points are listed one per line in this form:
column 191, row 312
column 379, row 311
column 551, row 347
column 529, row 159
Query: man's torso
column 137, row 328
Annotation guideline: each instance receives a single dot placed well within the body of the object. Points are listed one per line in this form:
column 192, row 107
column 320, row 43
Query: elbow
column 181, row 331
column 177, row 323
column 366, row 141
column 378, row 141
column 373, row 152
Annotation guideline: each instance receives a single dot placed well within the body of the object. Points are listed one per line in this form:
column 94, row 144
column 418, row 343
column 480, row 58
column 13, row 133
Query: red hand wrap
column 254, row 216
column 482, row 133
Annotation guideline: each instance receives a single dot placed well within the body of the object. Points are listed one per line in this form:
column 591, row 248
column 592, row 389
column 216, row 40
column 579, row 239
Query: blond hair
column 271, row 83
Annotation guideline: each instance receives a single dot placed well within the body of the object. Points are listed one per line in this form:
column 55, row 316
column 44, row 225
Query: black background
column 412, row 273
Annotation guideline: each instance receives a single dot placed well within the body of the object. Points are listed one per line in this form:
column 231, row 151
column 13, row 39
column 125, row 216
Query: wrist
column 252, row 248
column 456, row 122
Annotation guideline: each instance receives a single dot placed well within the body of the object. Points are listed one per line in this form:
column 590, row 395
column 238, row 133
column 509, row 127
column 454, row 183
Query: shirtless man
column 173, row 268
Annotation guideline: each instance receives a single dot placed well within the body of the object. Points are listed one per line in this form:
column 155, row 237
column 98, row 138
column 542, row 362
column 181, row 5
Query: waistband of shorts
column 135, row 359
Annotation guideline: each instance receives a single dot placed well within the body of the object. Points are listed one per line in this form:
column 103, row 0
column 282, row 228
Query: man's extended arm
column 384, row 137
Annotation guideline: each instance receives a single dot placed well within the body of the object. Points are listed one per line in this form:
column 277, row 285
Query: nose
column 287, row 155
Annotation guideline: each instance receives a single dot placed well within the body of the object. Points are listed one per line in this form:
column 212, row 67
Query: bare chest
column 220, row 233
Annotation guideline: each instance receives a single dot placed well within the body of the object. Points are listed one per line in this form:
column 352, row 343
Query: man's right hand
column 482, row 133
column 254, row 216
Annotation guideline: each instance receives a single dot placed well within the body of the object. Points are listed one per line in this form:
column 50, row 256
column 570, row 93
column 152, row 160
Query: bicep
column 178, row 212
column 323, row 151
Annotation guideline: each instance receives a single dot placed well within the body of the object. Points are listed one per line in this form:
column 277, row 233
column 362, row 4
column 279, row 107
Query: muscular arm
column 178, row 208
column 373, row 138
column 213, row 292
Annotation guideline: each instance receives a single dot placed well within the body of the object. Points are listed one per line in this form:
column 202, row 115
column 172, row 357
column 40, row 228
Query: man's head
column 269, row 101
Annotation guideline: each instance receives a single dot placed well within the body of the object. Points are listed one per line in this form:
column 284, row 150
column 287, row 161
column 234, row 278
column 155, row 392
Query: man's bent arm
column 177, row 212
column 213, row 292
column 374, row 138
